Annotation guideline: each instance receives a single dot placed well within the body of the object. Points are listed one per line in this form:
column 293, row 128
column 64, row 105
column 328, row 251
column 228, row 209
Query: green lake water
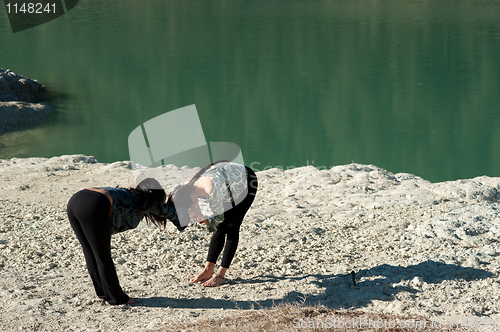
column 409, row 86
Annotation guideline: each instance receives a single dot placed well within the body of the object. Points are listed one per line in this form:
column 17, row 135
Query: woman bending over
column 97, row 213
column 229, row 189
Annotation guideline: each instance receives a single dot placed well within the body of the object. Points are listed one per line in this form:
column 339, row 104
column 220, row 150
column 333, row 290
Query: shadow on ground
column 339, row 291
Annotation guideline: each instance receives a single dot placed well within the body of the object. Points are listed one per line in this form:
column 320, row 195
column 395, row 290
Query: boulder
column 19, row 97
column 14, row 114
column 14, row 87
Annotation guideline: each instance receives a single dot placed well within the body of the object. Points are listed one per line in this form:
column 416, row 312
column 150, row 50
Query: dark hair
column 182, row 193
column 151, row 192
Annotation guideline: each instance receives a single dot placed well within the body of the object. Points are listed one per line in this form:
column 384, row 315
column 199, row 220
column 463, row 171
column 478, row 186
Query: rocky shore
column 20, row 101
column 416, row 248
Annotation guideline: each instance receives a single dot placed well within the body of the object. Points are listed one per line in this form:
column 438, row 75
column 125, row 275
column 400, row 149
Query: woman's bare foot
column 202, row 276
column 215, row 281
column 132, row 301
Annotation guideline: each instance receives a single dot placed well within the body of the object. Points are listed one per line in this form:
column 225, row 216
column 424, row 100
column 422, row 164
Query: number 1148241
column 31, row 8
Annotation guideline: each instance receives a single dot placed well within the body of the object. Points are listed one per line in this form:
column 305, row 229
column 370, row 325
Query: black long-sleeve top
column 127, row 213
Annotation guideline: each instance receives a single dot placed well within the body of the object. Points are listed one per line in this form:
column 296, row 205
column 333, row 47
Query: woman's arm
column 198, row 217
column 211, row 222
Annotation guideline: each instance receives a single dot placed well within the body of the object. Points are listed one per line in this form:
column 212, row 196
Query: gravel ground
column 416, row 248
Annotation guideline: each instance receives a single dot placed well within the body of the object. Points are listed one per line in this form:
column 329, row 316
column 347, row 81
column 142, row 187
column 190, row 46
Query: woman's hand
column 198, row 217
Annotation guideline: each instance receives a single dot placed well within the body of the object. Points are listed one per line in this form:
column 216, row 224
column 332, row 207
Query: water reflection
column 410, row 86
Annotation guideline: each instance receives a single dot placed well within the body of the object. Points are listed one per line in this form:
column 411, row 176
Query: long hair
column 182, row 193
column 150, row 192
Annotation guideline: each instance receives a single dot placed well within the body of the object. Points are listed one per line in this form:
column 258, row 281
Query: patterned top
column 126, row 210
column 230, row 188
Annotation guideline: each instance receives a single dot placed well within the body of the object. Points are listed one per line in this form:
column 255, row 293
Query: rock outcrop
column 14, row 87
column 19, row 101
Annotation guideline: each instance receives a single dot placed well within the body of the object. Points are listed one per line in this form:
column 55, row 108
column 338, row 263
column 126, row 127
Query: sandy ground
column 416, row 248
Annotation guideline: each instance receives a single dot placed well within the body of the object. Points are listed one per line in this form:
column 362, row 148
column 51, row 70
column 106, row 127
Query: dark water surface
column 410, row 86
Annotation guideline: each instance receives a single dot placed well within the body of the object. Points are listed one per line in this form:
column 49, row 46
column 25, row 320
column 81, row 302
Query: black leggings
column 228, row 231
column 88, row 214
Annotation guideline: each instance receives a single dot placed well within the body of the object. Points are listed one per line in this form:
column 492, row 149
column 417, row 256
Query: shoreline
column 417, row 248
